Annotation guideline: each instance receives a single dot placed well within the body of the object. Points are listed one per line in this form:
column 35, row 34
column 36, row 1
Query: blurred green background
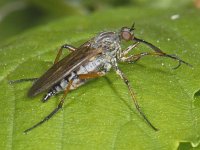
column 16, row 16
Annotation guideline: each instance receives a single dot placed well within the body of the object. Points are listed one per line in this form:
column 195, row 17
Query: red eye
column 126, row 35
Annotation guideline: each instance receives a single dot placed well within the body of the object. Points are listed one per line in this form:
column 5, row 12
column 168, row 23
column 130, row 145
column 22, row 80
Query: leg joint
column 126, row 81
column 60, row 104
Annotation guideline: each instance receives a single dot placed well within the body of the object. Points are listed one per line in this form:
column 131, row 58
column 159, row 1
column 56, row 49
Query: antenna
column 132, row 27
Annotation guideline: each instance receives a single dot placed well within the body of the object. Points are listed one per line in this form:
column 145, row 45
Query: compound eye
column 126, row 35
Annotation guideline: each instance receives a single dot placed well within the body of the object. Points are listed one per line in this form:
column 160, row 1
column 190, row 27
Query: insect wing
column 63, row 68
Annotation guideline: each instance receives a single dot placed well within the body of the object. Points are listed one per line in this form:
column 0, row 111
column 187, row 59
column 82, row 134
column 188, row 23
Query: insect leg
column 136, row 57
column 126, row 51
column 71, row 48
column 81, row 76
column 126, row 81
column 22, row 80
column 91, row 75
column 52, row 91
column 161, row 53
column 55, row 110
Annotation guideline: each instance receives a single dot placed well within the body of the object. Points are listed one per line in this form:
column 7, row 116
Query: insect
column 94, row 58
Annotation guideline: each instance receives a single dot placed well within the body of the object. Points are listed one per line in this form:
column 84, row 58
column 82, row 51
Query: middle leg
column 126, row 81
column 128, row 49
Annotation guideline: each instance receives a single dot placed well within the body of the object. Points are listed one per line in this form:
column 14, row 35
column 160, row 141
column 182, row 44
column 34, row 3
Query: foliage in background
column 19, row 15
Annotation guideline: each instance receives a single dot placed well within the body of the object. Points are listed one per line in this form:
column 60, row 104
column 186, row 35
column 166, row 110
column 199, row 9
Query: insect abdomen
column 91, row 66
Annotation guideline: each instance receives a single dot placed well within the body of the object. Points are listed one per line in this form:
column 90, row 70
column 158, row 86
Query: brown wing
column 63, row 68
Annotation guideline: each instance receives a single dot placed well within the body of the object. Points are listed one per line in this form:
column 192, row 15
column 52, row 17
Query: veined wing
column 63, row 68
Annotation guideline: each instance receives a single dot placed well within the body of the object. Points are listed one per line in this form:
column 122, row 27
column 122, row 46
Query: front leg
column 136, row 57
column 126, row 81
column 158, row 51
column 128, row 49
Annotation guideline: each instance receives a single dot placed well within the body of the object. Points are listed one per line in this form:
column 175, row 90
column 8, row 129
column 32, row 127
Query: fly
column 93, row 59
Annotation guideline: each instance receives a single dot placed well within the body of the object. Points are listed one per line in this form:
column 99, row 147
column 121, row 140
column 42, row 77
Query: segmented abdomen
column 91, row 66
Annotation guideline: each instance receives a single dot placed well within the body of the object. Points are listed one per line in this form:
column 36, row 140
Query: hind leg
column 60, row 105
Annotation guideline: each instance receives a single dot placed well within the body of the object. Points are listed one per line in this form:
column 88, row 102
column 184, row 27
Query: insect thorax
column 108, row 41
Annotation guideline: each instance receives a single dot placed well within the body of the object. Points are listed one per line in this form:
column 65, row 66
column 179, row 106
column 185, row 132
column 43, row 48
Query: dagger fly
column 93, row 59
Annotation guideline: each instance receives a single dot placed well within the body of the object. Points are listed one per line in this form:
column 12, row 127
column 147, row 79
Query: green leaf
column 100, row 114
